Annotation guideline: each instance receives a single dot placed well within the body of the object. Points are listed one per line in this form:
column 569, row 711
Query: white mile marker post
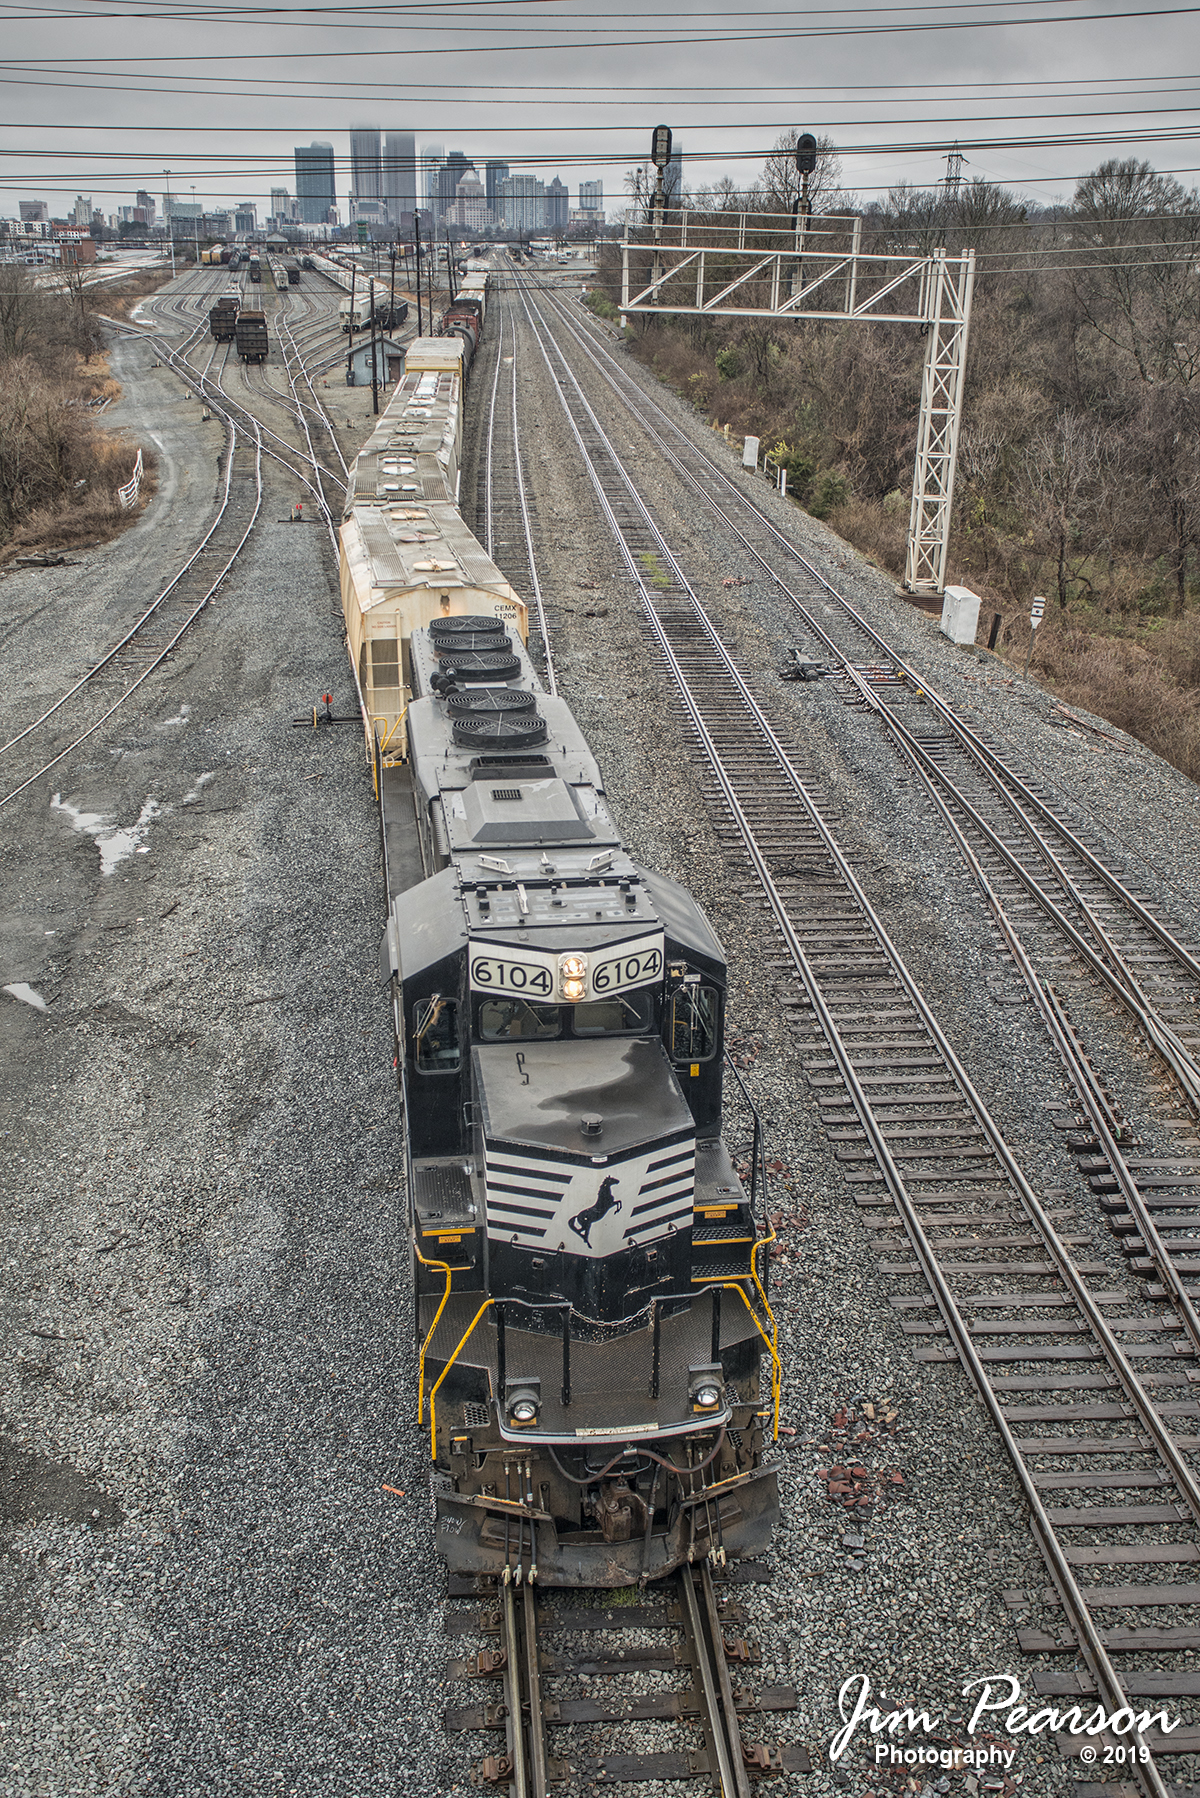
column 1035, row 618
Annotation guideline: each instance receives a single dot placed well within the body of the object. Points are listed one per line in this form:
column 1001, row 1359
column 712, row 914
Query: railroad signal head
column 660, row 146
column 806, row 153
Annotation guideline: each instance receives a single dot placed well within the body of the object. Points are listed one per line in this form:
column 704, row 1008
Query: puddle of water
column 25, row 994
column 115, row 845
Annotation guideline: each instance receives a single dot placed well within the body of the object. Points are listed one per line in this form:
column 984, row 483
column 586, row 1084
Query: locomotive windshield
column 518, row 1020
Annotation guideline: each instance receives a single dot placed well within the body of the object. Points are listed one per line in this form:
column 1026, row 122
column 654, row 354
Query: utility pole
column 350, row 323
column 196, row 226
column 417, row 236
column 374, row 362
column 170, row 223
column 392, row 298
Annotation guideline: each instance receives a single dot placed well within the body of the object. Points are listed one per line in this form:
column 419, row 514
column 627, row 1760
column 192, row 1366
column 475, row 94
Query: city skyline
column 554, row 96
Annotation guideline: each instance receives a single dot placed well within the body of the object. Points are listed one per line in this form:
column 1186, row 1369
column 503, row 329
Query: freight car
column 251, row 336
column 355, row 314
column 222, row 318
column 597, row 1365
column 293, row 273
column 255, row 269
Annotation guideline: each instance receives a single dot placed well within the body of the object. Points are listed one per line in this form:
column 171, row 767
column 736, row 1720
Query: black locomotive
column 597, row 1362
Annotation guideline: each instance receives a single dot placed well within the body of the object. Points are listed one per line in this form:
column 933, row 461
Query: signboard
column 535, row 975
column 1035, row 612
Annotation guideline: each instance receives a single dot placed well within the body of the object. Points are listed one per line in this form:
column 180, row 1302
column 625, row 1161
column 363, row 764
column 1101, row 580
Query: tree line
column 59, row 469
column 1079, row 461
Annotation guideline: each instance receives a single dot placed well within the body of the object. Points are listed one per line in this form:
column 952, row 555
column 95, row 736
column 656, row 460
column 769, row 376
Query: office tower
column 446, row 181
column 494, row 174
column 591, row 196
column 315, row 186
column 523, row 203
column 432, row 158
column 366, row 169
column 400, row 175
column 558, row 204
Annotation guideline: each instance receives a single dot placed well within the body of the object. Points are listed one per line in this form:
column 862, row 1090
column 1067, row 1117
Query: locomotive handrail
column 776, row 1369
column 449, row 1273
column 758, row 1151
column 462, row 1343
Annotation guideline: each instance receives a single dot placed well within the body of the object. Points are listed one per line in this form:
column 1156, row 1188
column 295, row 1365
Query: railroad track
column 502, row 505
column 689, row 1626
column 933, row 1175
column 105, row 686
column 111, row 680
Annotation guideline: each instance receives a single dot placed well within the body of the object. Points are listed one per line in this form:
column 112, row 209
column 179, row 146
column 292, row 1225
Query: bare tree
column 1138, row 241
column 1063, row 471
column 1166, row 439
column 780, row 183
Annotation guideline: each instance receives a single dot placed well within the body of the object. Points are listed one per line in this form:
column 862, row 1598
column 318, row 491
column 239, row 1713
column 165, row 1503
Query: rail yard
column 962, row 939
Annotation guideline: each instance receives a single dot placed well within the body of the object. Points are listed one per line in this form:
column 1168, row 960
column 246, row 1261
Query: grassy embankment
column 60, row 467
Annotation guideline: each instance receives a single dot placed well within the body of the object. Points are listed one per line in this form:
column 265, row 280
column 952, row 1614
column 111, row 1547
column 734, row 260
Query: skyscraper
column 494, row 174
column 366, row 167
column 591, row 196
column 432, row 158
column 445, row 184
column 400, row 174
column 558, row 205
column 523, row 203
column 315, row 186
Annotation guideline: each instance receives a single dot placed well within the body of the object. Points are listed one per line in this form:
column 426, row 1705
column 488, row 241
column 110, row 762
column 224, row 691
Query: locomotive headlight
column 572, row 978
column 706, row 1386
column 522, row 1402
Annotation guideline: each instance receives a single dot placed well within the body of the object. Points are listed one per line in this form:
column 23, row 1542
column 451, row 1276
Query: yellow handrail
column 449, row 1273
column 392, row 728
column 450, row 1363
column 763, row 1242
column 776, row 1369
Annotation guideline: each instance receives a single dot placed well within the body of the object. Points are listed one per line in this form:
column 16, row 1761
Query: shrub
column 828, row 493
column 728, row 365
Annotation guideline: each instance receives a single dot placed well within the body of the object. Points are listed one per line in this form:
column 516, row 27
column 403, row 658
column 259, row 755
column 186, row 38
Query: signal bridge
column 767, row 265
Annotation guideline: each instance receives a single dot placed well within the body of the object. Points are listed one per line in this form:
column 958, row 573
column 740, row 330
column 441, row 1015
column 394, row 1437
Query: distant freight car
column 251, row 334
column 307, row 262
column 293, row 273
column 355, row 315
column 255, row 269
column 222, row 318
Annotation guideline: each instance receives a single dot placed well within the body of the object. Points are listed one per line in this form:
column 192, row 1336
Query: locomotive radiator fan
column 500, row 730
column 485, row 700
column 447, row 630
column 479, row 666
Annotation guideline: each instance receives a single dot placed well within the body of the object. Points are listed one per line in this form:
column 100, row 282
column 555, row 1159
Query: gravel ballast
column 207, row 1584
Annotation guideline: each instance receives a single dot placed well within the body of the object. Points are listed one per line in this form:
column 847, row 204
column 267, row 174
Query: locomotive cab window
column 435, row 1035
column 620, row 1016
column 516, row 1020
column 692, row 1023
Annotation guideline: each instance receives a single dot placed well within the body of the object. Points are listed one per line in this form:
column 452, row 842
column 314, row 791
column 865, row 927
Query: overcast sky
column 101, row 98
